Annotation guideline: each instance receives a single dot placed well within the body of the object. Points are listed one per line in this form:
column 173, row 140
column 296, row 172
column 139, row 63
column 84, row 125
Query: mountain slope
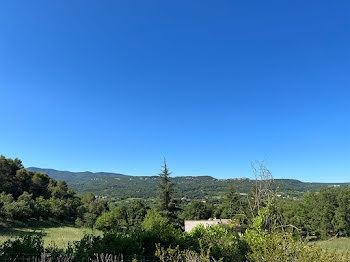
column 70, row 177
column 118, row 187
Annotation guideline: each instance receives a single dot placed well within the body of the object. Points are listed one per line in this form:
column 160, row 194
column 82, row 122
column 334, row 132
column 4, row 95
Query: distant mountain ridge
column 70, row 177
column 119, row 187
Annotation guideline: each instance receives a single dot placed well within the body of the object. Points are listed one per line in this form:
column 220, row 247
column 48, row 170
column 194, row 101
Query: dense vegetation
column 27, row 195
column 323, row 214
column 264, row 227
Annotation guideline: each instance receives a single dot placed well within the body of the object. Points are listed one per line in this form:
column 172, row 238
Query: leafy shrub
column 156, row 229
column 223, row 241
column 280, row 247
column 115, row 243
column 176, row 255
column 26, row 244
column 272, row 244
column 106, row 222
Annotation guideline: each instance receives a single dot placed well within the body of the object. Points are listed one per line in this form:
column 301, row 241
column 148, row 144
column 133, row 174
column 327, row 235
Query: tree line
column 322, row 214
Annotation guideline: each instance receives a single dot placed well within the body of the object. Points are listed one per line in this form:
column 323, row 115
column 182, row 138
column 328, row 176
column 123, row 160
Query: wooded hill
column 28, row 195
column 117, row 187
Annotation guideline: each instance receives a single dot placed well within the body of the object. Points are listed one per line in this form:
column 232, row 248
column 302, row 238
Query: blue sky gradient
column 210, row 85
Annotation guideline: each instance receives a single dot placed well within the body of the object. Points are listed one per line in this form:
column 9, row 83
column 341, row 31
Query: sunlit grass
column 337, row 244
column 59, row 235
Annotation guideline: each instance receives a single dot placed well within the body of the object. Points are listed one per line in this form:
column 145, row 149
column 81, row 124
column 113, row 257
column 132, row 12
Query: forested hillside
column 117, row 187
column 26, row 195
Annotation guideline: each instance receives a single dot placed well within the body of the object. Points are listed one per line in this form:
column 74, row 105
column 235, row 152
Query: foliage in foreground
column 272, row 244
column 177, row 255
column 158, row 240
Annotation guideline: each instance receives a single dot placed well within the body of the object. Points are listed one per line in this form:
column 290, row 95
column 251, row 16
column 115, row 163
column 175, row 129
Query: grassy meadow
column 337, row 244
column 60, row 235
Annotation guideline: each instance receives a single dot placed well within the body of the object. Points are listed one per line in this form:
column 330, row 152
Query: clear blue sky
column 212, row 85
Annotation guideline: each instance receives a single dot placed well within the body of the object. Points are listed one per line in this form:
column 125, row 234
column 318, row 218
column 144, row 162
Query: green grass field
column 61, row 235
column 337, row 244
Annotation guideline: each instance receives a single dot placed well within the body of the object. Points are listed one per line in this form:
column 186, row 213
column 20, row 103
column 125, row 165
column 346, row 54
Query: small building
column 191, row 224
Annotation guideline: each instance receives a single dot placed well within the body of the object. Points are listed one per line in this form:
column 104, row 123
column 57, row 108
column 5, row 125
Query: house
column 191, row 224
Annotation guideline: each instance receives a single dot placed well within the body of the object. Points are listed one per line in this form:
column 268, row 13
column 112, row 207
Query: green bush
column 25, row 245
column 282, row 247
column 270, row 243
column 177, row 255
column 222, row 239
column 126, row 243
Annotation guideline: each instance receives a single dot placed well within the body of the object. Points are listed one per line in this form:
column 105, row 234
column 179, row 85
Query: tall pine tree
column 168, row 205
column 166, row 190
